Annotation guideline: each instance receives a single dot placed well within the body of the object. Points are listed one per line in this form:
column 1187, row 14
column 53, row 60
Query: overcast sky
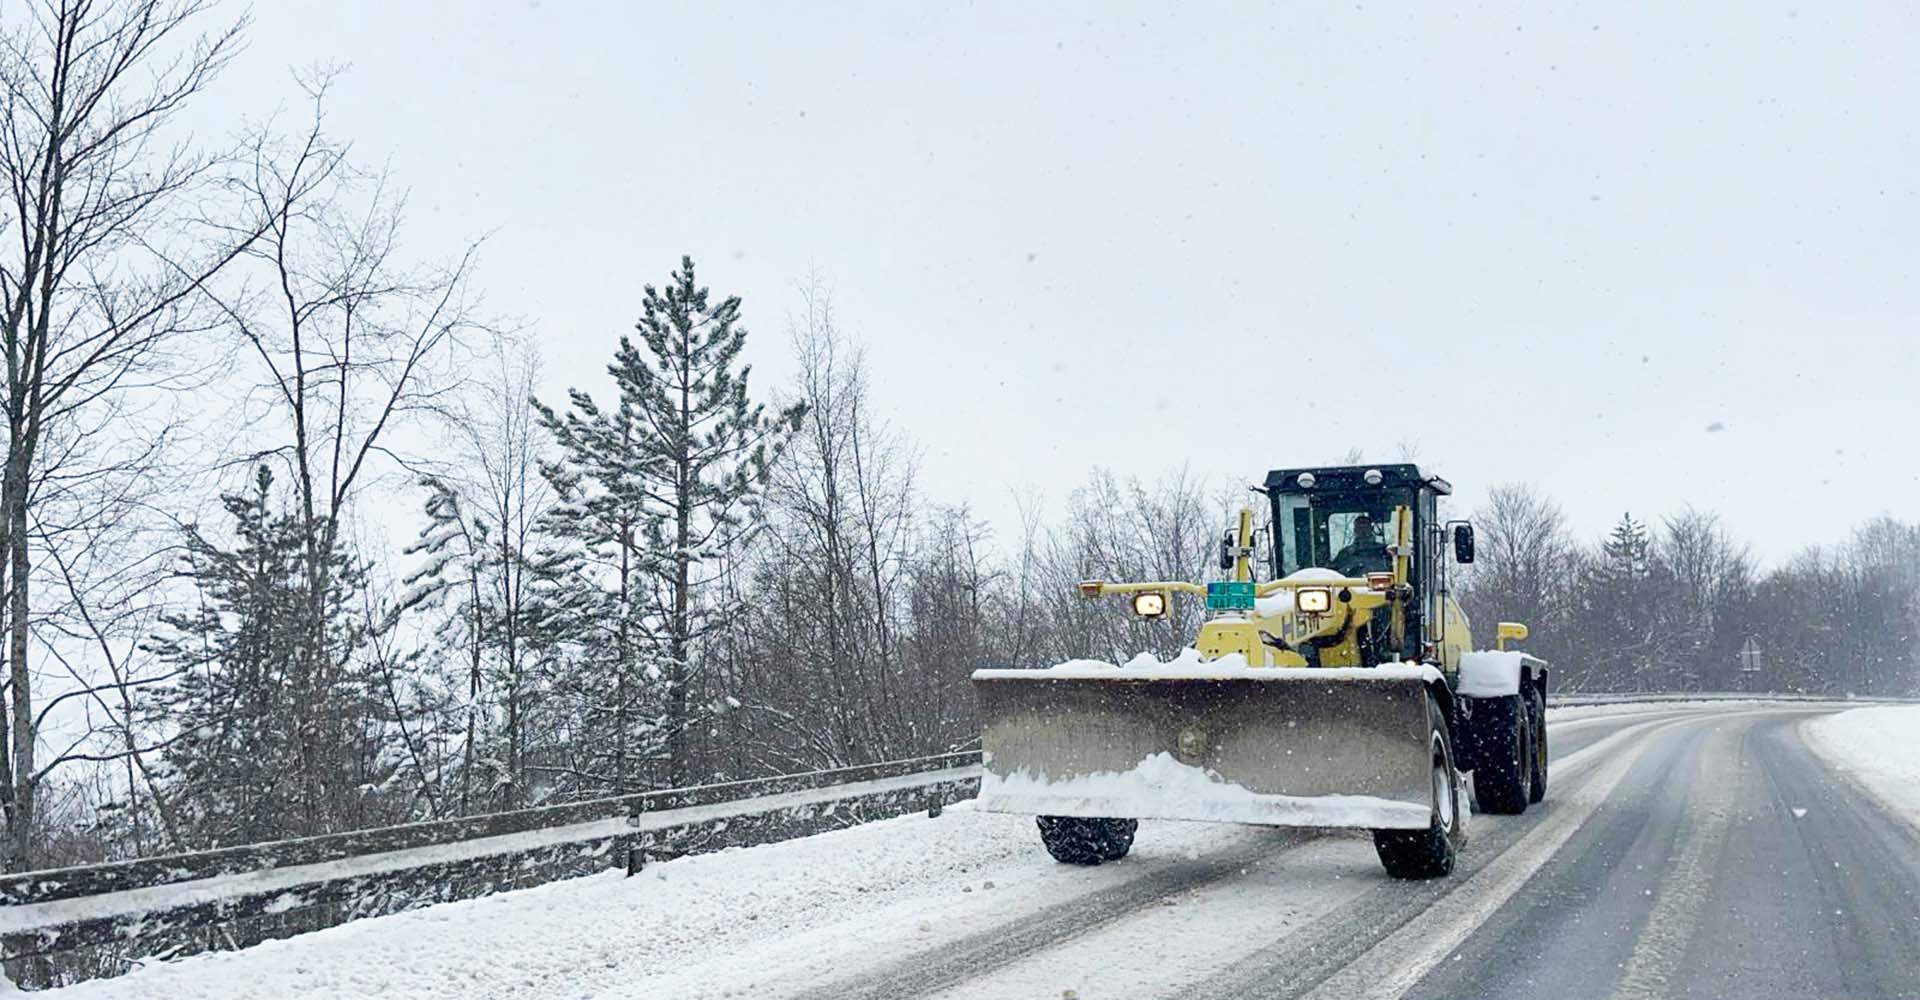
column 1638, row 256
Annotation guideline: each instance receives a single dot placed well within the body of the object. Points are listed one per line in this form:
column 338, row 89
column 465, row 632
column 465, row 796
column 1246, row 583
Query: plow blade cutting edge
column 1275, row 747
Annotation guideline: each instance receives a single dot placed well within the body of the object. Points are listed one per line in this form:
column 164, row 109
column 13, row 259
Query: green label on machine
column 1230, row 595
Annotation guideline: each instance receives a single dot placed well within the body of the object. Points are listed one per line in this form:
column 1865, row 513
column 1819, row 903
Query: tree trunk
column 677, row 726
column 8, row 803
column 625, row 666
column 473, row 696
column 677, row 732
column 21, row 680
column 512, row 579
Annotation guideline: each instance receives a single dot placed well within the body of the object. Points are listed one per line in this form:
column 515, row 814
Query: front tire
column 1080, row 840
column 1504, row 765
column 1429, row 853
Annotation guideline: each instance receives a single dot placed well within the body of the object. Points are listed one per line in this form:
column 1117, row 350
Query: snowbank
column 292, row 879
column 1164, row 787
column 749, row 922
column 1878, row 747
column 1583, row 715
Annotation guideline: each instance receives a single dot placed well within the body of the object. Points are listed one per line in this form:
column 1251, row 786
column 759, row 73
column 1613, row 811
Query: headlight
column 1313, row 600
column 1151, row 604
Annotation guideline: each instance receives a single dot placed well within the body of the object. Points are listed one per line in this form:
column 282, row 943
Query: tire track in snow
column 1808, row 897
column 1399, row 959
column 1356, row 951
column 1209, row 929
column 1840, row 884
column 976, row 955
column 1158, row 950
column 1688, row 884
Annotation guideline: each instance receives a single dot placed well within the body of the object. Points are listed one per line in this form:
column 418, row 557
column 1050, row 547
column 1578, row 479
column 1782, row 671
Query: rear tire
column 1504, row 763
column 1429, row 853
column 1537, row 711
column 1079, row 840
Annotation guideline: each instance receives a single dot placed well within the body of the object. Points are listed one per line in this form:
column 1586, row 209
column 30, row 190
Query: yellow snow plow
column 1339, row 693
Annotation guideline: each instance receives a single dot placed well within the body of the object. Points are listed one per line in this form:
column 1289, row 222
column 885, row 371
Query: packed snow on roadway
column 1879, row 747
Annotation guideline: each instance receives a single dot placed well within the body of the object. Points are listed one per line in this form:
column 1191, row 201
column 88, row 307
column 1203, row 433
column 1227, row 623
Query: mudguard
column 1497, row 673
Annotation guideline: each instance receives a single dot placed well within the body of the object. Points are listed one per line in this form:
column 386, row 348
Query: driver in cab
column 1366, row 554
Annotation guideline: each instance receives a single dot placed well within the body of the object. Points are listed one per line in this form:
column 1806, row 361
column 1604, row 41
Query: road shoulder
column 1876, row 748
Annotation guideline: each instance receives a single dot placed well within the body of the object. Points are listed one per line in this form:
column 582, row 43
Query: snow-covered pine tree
column 451, row 581
column 664, row 483
column 271, row 737
column 498, row 609
column 599, row 521
column 1624, row 608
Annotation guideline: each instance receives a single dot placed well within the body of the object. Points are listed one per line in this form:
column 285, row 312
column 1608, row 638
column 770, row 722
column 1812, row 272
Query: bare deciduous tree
column 844, row 498
column 1711, row 576
column 1525, row 569
column 349, row 339
column 104, row 255
column 487, row 504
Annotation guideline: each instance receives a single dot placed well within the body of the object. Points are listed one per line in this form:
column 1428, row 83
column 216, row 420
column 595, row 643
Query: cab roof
column 1345, row 478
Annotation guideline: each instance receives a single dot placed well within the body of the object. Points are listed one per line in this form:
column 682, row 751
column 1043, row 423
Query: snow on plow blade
column 1273, row 746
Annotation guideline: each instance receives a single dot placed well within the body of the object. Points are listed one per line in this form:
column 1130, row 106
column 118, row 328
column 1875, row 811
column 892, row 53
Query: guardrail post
column 934, row 805
column 636, row 858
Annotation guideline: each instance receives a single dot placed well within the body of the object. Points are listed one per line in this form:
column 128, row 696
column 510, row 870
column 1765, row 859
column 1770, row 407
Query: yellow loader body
column 1271, row 717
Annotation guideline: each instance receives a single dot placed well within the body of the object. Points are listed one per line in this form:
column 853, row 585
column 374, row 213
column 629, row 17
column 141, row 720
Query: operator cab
column 1347, row 519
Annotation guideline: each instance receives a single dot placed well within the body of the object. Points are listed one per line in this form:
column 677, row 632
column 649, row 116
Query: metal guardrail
column 91, row 880
column 67, row 925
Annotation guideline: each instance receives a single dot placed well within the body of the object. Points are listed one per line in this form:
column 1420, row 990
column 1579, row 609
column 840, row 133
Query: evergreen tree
column 602, row 512
column 502, row 610
column 454, row 580
column 662, row 486
column 268, row 745
column 1623, row 610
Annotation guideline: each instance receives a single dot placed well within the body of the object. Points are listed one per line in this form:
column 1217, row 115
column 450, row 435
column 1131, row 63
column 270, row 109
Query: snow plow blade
column 1276, row 746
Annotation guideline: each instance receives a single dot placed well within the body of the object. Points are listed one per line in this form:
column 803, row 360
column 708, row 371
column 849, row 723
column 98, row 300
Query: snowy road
column 1683, row 851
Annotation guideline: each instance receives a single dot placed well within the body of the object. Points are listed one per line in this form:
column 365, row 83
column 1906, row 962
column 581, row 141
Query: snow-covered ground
column 292, row 879
column 724, row 924
column 1878, row 747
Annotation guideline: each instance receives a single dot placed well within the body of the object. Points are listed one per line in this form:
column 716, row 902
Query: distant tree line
column 224, row 373
column 1672, row 606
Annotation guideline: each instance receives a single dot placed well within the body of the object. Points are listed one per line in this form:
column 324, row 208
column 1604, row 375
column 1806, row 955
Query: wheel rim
column 1540, row 742
column 1443, row 794
column 1523, row 768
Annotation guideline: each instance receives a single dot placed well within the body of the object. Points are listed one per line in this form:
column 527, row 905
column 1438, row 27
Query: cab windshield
column 1345, row 532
